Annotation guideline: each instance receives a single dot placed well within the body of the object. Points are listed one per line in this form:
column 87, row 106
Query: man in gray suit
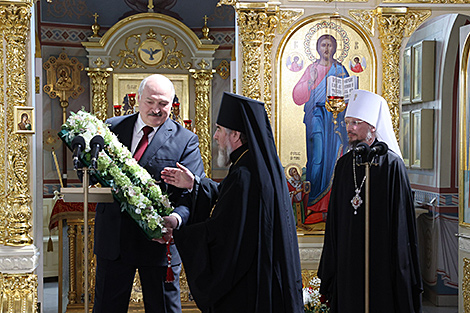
column 120, row 245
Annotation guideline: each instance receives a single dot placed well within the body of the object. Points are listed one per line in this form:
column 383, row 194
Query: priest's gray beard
column 223, row 159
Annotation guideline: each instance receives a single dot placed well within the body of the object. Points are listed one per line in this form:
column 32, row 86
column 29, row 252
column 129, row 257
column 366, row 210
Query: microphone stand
column 85, row 233
column 367, row 164
column 371, row 155
column 367, row 235
column 95, row 195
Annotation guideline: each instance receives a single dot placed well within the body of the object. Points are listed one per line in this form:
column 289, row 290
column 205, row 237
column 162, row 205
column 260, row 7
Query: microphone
column 96, row 144
column 78, row 145
column 380, row 148
column 362, row 149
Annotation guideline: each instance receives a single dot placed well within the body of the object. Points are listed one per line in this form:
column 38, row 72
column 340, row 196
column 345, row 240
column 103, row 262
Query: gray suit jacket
column 116, row 234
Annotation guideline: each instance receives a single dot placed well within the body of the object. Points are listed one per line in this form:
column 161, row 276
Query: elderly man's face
column 222, row 136
column 358, row 131
column 155, row 102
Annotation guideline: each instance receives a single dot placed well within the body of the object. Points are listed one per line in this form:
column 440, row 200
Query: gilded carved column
column 203, row 83
column 269, row 24
column 391, row 23
column 256, row 30
column 99, row 85
column 258, row 24
column 3, row 204
column 18, row 256
column 15, row 21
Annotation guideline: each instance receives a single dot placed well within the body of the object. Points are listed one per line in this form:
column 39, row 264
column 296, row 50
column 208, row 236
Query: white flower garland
column 136, row 190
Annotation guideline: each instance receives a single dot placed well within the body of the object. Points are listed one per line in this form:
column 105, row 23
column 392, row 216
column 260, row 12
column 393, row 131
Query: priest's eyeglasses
column 353, row 123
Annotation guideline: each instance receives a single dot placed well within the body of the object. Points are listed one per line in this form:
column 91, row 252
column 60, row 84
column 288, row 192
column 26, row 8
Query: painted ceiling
column 81, row 12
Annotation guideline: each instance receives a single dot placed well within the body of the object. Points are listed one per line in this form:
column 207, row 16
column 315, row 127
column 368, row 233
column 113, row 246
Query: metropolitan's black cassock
column 241, row 253
column 395, row 281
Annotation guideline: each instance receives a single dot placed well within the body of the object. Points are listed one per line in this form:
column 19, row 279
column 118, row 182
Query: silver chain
column 354, row 173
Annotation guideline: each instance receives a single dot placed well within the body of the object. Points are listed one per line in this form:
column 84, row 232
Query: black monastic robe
column 395, row 281
column 224, row 254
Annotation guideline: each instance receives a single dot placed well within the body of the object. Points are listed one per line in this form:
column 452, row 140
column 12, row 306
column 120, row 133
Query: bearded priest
column 395, row 284
column 241, row 253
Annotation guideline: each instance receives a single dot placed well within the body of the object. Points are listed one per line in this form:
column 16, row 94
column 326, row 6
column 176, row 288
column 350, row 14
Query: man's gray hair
column 156, row 76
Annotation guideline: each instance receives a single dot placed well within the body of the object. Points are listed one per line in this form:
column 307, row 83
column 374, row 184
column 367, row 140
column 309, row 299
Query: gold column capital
column 99, row 84
column 19, row 292
column 366, row 18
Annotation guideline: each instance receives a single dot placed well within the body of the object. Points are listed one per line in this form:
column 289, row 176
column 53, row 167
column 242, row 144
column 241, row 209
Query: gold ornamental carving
column 3, row 171
column 287, row 18
column 203, row 83
column 466, row 284
column 16, row 210
column 258, row 24
column 223, row 69
column 391, row 32
column 99, row 86
column 227, row 2
column 128, row 58
column 256, row 30
column 75, row 233
column 414, row 18
column 95, row 27
column 63, row 79
column 251, row 41
column 366, row 18
column 151, row 52
column 270, row 23
column 19, row 293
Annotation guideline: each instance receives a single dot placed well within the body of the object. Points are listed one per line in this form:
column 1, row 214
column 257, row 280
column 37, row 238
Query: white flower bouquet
column 314, row 302
column 132, row 186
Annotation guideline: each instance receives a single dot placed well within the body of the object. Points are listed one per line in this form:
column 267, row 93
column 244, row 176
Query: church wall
column 438, row 245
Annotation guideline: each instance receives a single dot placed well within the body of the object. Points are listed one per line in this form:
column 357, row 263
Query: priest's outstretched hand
column 180, row 177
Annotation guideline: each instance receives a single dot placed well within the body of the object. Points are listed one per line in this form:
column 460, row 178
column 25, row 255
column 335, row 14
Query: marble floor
column 50, row 304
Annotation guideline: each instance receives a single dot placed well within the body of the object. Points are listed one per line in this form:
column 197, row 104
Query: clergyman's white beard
column 223, row 159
